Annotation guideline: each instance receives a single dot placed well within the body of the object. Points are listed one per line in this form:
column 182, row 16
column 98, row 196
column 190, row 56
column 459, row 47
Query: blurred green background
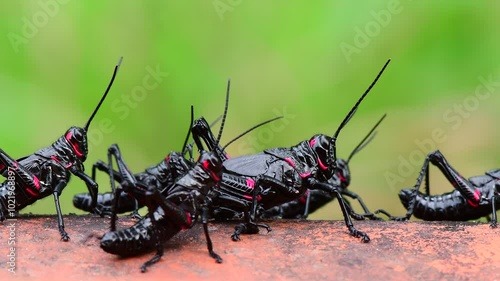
column 308, row 59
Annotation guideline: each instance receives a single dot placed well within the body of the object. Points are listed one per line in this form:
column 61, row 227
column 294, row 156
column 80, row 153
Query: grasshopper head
column 320, row 144
column 77, row 138
column 343, row 173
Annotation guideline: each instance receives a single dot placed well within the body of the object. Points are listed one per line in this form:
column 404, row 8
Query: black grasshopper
column 162, row 174
column 131, row 197
column 133, row 187
column 312, row 200
column 169, row 215
column 47, row 171
column 172, row 208
column 472, row 198
column 253, row 183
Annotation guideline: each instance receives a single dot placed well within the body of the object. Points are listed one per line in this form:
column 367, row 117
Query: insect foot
column 356, row 233
column 64, row 236
column 248, row 228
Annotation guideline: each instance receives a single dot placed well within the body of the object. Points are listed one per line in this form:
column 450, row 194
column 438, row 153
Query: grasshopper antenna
column 216, row 121
column 249, row 130
column 184, row 146
column 332, row 157
column 105, row 94
column 225, row 111
column 367, row 139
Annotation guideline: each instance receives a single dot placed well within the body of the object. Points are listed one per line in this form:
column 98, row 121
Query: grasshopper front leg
column 128, row 181
column 57, row 192
column 92, row 186
column 345, row 210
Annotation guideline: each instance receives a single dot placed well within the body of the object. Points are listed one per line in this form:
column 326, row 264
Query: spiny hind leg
column 464, row 186
column 436, row 158
column 24, row 179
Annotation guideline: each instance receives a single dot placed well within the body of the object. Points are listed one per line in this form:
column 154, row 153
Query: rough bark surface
column 294, row 250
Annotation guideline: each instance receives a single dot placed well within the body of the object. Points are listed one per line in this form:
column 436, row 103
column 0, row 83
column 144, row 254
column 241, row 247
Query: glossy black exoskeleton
column 472, row 198
column 253, row 183
column 47, row 171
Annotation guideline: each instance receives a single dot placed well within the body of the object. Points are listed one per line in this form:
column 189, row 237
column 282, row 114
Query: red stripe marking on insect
column 321, row 165
column 312, row 142
column 2, row 166
column 251, row 198
column 305, row 175
column 189, row 222
column 289, row 161
column 250, row 183
column 36, row 181
column 205, row 165
column 166, row 158
column 341, row 177
column 31, row 192
column 477, row 197
column 57, row 160
column 303, row 199
column 475, row 205
column 74, row 145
